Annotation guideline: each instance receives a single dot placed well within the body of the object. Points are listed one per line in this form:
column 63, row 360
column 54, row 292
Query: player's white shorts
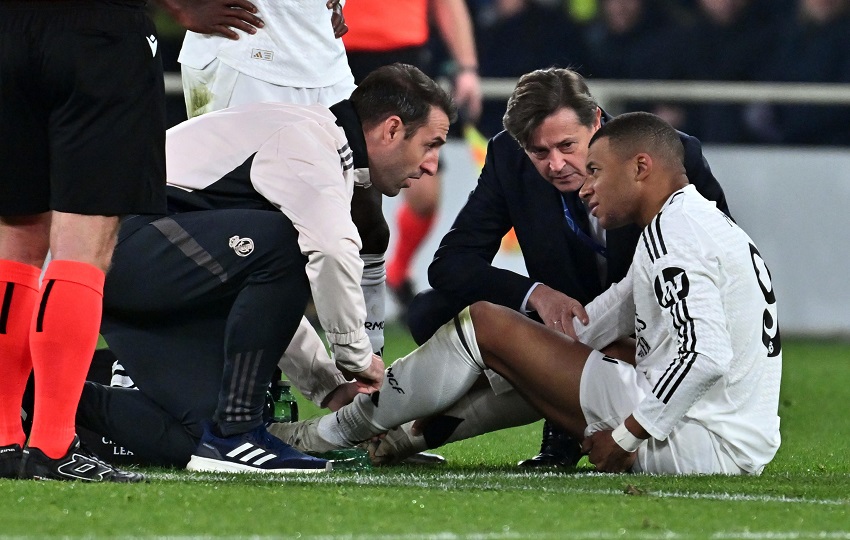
column 218, row 86
column 611, row 389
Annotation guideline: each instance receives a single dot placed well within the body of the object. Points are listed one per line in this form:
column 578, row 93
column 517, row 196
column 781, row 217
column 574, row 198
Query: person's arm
column 687, row 292
column 462, row 266
column 340, row 28
column 611, row 316
column 299, row 172
column 214, row 16
column 309, row 367
column 555, row 309
column 700, row 175
column 455, row 26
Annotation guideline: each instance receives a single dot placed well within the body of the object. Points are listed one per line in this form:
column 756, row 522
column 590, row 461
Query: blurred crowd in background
column 710, row 40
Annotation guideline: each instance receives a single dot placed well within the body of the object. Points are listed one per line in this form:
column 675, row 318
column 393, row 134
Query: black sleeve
column 700, row 175
column 462, row 266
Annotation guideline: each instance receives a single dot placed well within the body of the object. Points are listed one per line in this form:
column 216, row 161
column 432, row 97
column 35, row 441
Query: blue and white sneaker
column 254, row 452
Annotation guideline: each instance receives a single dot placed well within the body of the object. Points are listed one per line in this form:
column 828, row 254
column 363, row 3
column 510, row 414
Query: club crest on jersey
column 674, row 287
column 242, row 246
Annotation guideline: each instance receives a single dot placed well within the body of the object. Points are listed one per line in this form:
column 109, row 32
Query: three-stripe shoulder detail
column 346, row 157
column 653, row 239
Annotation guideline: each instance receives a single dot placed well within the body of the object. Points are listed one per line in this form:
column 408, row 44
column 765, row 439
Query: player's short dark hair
column 402, row 90
column 541, row 93
column 636, row 132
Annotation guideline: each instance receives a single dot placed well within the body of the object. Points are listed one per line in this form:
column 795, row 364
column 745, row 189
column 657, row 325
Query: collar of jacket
column 347, row 119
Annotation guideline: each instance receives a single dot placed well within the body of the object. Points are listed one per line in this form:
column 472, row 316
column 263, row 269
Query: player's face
column 404, row 160
column 610, row 191
column 558, row 149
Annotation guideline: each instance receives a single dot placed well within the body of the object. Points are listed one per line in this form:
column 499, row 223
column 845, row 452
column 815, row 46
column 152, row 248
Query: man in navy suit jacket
column 530, row 182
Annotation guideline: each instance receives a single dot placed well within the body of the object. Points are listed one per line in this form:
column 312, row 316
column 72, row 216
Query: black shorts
column 82, row 109
column 364, row 62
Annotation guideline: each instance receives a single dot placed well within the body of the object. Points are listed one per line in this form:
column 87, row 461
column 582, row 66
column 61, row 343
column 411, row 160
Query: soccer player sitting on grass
column 201, row 303
column 701, row 393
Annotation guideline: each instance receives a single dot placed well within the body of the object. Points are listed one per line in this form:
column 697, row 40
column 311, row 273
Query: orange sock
column 63, row 337
column 412, row 230
column 18, row 294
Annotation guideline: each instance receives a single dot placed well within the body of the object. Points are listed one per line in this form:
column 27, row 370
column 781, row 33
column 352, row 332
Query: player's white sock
column 425, row 382
column 374, row 286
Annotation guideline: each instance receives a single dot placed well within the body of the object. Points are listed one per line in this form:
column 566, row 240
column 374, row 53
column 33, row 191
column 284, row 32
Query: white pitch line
column 511, row 535
column 473, row 480
column 782, row 535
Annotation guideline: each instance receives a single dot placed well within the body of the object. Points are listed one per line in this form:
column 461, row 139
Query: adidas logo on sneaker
column 256, row 451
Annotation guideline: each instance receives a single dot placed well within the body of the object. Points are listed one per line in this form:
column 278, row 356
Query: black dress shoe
column 557, row 449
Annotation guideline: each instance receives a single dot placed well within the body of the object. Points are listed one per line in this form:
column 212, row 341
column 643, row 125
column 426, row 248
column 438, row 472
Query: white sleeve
column 611, row 315
column 308, row 365
column 686, row 289
column 299, row 171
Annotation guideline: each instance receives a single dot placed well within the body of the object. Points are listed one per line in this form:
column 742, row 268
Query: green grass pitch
column 481, row 495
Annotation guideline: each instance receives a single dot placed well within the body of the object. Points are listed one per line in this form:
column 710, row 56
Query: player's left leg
column 480, row 411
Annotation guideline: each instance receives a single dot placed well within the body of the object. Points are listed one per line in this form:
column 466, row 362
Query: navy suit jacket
column 511, row 193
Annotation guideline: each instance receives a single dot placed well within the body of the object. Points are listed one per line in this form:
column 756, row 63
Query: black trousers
column 198, row 308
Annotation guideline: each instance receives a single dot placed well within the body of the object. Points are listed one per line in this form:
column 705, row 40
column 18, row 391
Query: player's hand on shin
column 606, row 454
column 370, row 379
column 342, row 395
column 337, row 18
column 556, row 309
column 221, row 17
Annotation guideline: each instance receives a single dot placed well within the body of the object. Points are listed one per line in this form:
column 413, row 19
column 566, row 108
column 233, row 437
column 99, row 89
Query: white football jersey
column 705, row 320
column 296, row 47
column 706, row 329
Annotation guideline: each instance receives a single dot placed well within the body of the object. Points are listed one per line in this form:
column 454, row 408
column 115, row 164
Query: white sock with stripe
column 425, row 382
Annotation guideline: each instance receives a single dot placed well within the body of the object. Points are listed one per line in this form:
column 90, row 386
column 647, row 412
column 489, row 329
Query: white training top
column 296, row 159
column 295, row 48
column 700, row 301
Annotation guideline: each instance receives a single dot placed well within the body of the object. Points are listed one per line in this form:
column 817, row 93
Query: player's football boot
column 399, row 446
column 400, row 449
column 78, row 464
column 10, row 460
column 556, row 450
column 256, row 451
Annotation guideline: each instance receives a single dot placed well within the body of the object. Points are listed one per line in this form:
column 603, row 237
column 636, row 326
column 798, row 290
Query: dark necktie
column 576, row 217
